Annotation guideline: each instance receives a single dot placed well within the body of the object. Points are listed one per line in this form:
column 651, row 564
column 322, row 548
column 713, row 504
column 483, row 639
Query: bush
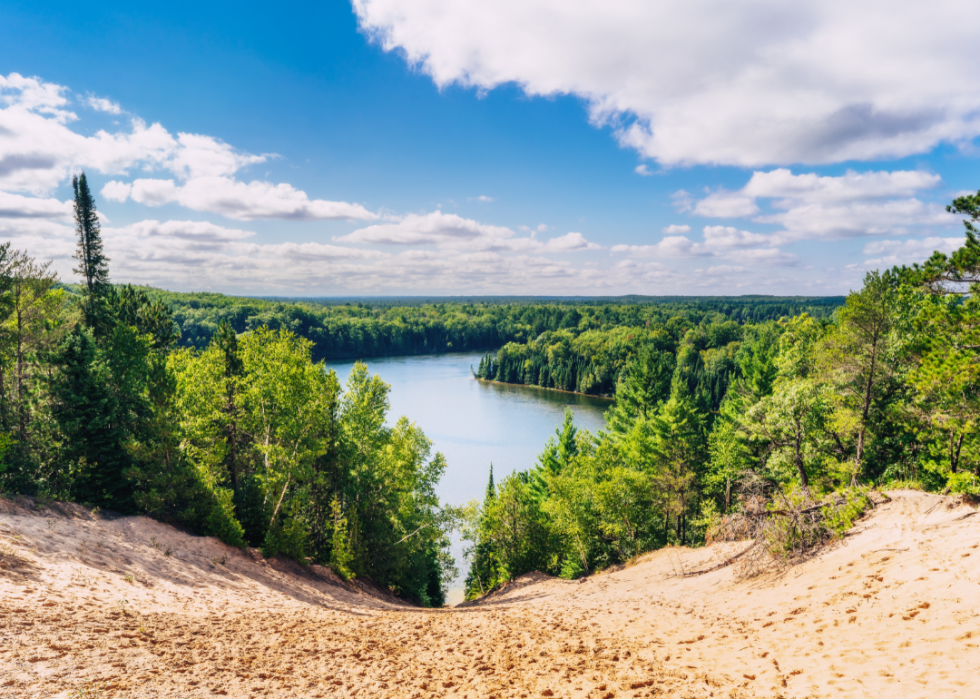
column 964, row 482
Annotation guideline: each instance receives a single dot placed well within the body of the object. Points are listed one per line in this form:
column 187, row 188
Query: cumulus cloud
column 719, row 241
column 643, row 170
column 897, row 217
column 236, row 200
column 725, row 204
column 904, row 252
column 730, row 237
column 675, row 229
column 38, row 150
column 809, row 206
column 101, row 104
column 19, row 206
column 711, row 81
column 783, row 185
column 453, row 231
column 671, row 246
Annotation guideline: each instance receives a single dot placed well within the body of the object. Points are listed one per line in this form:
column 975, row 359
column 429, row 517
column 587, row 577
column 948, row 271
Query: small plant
column 786, row 525
column 154, row 543
column 129, row 578
column 219, row 560
column 964, row 482
column 88, row 692
column 143, row 630
column 168, row 551
column 122, row 605
column 50, row 524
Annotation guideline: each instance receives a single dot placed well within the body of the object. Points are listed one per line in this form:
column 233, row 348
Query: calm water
column 474, row 423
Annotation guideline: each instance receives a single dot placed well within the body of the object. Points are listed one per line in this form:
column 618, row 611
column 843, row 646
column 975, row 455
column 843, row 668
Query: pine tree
column 227, row 341
column 92, row 262
column 557, row 454
column 491, row 489
column 340, row 553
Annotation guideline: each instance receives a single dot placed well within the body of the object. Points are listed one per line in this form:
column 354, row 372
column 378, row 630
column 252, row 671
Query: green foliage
column 340, row 554
column 247, row 438
column 817, row 408
column 967, row 483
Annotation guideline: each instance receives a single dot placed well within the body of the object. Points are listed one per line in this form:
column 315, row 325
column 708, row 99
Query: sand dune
column 133, row 608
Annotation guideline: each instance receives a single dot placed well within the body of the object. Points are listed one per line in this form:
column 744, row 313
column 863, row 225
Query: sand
column 129, row 607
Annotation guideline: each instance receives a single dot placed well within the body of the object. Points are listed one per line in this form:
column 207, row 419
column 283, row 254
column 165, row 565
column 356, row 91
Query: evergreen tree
column 87, row 410
column 92, row 262
column 644, row 385
column 234, row 369
column 483, row 574
column 557, row 454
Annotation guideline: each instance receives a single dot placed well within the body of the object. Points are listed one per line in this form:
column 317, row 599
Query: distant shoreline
column 546, row 388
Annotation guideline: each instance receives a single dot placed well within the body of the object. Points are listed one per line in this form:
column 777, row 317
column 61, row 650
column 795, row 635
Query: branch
column 720, row 565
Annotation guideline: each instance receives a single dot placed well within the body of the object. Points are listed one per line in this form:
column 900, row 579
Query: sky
column 460, row 147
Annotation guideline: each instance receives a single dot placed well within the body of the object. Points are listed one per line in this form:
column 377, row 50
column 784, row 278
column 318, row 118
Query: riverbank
column 608, row 398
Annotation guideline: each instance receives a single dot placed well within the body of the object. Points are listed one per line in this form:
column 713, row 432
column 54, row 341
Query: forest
column 805, row 410
column 218, row 414
column 249, row 438
column 364, row 328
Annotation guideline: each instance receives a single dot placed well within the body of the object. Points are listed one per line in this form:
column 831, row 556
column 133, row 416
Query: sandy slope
column 99, row 606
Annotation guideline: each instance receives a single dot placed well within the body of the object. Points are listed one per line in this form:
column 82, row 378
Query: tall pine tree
column 93, row 265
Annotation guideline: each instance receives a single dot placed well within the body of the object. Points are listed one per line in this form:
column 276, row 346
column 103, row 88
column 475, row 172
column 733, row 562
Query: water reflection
column 475, row 423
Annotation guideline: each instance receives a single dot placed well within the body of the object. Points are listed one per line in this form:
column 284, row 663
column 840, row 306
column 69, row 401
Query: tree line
column 359, row 329
column 884, row 391
column 247, row 438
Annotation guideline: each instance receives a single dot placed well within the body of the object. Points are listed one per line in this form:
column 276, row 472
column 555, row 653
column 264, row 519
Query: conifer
column 93, row 265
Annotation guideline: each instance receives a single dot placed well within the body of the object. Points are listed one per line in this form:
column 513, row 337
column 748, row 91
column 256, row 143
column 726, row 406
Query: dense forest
column 359, row 329
column 218, row 414
column 247, row 438
column 809, row 411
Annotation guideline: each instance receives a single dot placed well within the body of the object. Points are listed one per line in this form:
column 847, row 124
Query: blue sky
column 437, row 147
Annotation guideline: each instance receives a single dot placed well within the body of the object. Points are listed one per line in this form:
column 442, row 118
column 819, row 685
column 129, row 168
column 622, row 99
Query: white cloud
column 570, row 242
column 809, row 206
column 452, row 231
column 810, row 188
column 896, row 217
column 671, row 246
column 38, row 150
column 730, row 237
column 725, row 204
column 719, row 241
column 19, row 206
column 711, row 81
column 643, row 170
column 682, row 200
column 101, row 104
column 903, row 252
column 482, row 198
column 675, row 229
column 236, row 200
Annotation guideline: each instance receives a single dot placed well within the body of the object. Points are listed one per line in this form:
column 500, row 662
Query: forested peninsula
column 218, row 414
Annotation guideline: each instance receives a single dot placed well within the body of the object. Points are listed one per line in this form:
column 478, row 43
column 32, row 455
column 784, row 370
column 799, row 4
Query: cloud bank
column 711, row 81
column 38, row 151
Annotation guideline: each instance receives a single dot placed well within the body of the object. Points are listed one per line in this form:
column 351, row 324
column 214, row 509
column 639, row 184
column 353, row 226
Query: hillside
column 129, row 607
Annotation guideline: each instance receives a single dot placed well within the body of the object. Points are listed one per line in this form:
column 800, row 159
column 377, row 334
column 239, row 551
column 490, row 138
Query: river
column 474, row 423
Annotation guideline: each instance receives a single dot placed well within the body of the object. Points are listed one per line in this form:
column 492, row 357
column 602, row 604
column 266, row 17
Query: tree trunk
column 954, row 453
column 798, row 453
